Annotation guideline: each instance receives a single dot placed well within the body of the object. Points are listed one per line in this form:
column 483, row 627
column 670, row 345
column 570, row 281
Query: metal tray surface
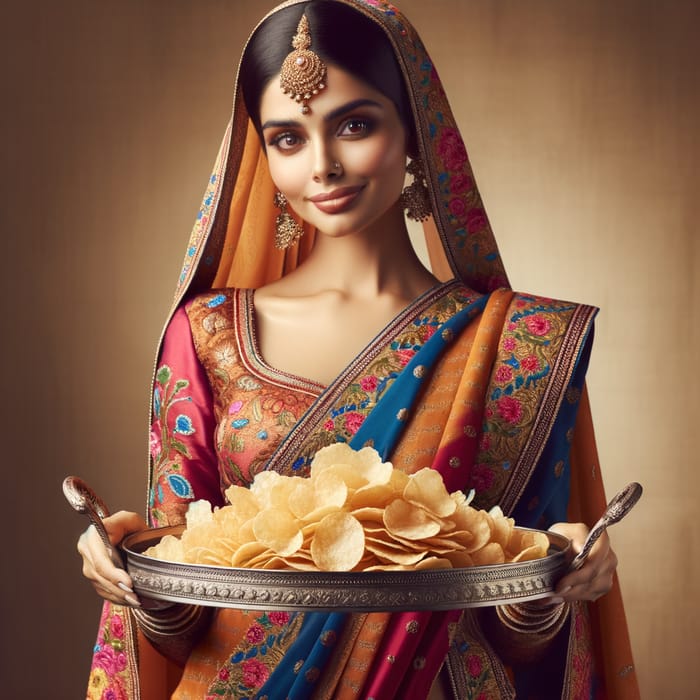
column 391, row 591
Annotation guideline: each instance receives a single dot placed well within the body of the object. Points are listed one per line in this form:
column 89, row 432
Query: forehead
column 341, row 88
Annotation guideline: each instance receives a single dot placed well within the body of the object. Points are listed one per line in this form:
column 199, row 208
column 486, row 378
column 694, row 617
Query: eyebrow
column 333, row 114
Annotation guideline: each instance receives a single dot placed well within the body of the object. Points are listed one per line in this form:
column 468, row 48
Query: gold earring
column 287, row 230
column 415, row 198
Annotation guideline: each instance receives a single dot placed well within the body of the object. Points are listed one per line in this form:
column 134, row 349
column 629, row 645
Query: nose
column 326, row 166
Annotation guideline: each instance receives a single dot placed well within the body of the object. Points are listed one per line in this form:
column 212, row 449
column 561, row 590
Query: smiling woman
column 342, row 165
column 342, row 335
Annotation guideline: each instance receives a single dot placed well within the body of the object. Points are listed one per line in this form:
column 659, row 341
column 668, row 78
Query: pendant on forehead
column 303, row 73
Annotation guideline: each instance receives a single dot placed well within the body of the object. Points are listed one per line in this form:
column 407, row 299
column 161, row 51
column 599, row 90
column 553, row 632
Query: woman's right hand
column 109, row 580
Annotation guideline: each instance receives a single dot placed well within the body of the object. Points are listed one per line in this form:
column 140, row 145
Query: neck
column 376, row 261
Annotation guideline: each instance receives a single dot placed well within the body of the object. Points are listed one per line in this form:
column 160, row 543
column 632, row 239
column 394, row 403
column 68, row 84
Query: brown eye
column 286, row 141
column 356, row 127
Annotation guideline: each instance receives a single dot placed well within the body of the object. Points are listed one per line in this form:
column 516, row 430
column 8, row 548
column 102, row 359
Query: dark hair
column 341, row 36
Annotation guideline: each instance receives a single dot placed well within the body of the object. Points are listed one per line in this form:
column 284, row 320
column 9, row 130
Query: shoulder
column 215, row 310
column 210, row 301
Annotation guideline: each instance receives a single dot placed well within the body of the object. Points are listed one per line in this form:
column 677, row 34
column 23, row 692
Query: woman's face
column 342, row 165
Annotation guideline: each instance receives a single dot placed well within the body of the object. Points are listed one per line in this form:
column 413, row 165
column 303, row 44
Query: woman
column 315, row 322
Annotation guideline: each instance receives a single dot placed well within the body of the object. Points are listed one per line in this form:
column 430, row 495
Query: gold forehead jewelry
column 303, row 73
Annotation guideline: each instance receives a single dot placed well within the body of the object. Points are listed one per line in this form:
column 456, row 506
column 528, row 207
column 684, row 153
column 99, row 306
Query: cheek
column 287, row 174
column 381, row 157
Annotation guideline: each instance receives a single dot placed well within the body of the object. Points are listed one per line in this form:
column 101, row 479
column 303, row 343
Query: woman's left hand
column 595, row 578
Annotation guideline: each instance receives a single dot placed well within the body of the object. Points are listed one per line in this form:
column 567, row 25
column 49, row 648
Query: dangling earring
column 287, row 230
column 415, row 198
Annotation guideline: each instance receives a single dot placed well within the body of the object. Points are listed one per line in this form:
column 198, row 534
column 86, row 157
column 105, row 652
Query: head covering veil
column 231, row 244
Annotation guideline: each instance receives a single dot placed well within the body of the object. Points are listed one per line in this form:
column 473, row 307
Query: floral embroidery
column 168, row 443
column 255, row 673
column 353, row 421
column 183, row 425
column 108, row 680
column 478, row 678
column 200, row 228
column 250, row 665
column 509, row 409
column 531, row 339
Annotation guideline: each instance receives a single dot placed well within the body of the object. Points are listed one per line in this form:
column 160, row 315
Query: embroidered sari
column 472, row 379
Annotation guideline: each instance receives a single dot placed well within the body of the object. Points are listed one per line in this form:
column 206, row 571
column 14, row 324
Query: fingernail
column 132, row 600
column 124, row 587
column 564, row 590
column 556, row 601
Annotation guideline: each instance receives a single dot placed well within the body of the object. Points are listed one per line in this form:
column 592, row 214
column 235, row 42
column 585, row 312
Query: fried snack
column 353, row 513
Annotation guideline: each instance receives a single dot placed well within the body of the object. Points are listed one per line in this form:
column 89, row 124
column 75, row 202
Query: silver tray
column 262, row 589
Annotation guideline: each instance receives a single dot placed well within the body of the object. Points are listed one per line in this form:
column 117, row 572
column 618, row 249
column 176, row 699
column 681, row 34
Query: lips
column 337, row 200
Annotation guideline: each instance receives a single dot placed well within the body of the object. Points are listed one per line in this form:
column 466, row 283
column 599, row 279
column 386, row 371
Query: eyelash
column 367, row 125
column 366, row 128
column 276, row 141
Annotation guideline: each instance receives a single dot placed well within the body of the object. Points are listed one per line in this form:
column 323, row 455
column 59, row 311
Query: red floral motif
column 538, row 325
column 428, row 332
column 451, row 149
column 457, row 208
column 509, row 409
column 255, row 634
column 369, row 384
column 224, row 674
column 255, row 673
column 278, row 618
column 114, row 692
column 474, row 665
column 405, row 356
column 329, row 425
column 461, row 182
column 109, row 660
column 481, row 477
column 531, row 363
column 485, row 442
column 353, row 421
column 154, row 441
column 116, row 625
column 476, row 220
column 504, row 374
column 508, row 343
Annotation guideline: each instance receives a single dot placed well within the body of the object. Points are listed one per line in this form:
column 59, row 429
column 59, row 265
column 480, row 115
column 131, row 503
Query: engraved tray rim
column 342, row 591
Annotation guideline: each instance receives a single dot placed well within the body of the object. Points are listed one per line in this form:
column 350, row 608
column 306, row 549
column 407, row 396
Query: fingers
column 109, row 580
column 595, row 578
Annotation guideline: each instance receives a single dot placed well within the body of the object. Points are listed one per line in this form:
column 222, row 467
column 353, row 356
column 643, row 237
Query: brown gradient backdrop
column 581, row 119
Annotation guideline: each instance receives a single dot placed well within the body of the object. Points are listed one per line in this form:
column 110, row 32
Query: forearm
column 522, row 633
column 174, row 630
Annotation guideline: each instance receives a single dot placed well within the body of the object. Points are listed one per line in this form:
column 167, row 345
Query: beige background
column 581, row 120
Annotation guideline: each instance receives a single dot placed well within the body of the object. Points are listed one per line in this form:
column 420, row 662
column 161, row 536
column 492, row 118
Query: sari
column 481, row 383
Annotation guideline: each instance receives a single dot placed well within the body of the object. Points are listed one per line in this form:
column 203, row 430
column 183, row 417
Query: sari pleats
column 356, row 665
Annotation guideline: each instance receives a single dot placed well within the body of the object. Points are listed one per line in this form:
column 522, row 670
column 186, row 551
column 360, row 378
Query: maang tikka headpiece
column 303, row 73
